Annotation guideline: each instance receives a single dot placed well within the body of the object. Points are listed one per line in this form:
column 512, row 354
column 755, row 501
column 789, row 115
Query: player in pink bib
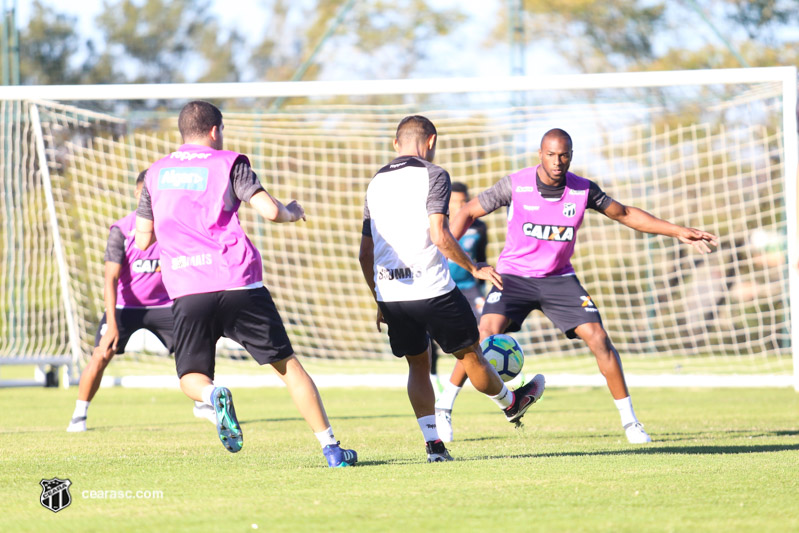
column 135, row 298
column 546, row 205
column 214, row 273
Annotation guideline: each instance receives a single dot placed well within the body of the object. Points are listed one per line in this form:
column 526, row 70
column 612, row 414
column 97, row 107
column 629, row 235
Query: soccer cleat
column 636, row 434
column 338, row 457
column 202, row 410
column 444, row 424
column 524, row 397
column 77, row 424
column 437, row 452
column 227, row 425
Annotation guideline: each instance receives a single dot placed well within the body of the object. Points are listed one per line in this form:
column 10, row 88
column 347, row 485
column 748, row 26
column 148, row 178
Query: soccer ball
column 505, row 354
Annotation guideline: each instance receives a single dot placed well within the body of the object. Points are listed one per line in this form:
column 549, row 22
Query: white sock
column 504, row 399
column 208, row 390
column 326, row 437
column 428, row 426
column 81, row 409
column 199, row 405
column 625, row 407
column 447, row 398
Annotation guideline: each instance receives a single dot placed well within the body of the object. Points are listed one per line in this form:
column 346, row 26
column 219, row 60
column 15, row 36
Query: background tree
column 49, row 49
column 376, row 40
column 166, row 41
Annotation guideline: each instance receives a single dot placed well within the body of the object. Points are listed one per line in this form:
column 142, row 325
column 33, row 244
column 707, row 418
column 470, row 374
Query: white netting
column 710, row 157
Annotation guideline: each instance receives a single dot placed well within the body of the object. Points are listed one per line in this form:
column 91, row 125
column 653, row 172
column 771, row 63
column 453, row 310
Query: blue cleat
column 227, row 425
column 339, row 457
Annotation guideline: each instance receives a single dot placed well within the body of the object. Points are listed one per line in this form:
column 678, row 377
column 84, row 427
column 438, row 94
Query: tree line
column 164, row 41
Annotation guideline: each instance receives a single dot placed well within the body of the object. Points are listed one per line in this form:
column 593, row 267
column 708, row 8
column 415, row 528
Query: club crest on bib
column 55, row 494
column 569, row 210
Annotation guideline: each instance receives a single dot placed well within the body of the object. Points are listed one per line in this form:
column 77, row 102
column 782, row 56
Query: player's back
column 408, row 265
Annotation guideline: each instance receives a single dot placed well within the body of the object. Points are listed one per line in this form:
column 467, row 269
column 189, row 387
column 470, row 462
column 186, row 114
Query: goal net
column 709, row 149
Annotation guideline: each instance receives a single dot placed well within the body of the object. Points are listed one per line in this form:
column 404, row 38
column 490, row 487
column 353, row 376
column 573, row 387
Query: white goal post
column 715, row 149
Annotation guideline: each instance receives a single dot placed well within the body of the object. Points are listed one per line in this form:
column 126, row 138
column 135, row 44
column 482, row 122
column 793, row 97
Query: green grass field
column 723, row 460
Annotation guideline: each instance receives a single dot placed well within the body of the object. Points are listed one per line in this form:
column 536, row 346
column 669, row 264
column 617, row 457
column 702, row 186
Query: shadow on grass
column 654, row 450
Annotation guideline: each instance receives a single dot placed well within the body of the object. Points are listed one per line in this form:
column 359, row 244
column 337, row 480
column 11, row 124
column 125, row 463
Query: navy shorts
column 448, row 319
column 157, row 320
column 561, row 298
column 247, row 316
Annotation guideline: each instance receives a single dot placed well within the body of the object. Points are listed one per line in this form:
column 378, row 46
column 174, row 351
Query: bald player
column 547, row 205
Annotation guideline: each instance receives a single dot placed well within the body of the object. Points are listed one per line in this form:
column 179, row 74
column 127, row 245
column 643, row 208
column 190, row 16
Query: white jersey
column 399, row 200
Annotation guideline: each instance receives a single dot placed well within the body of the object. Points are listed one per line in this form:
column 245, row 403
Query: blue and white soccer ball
column 505, row 354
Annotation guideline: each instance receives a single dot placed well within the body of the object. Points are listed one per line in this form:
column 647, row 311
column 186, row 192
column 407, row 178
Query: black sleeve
column 115, row 247
column 482, row 242
column 245, row 182
column 439, row 192
column 366, row 230
column 498, row 195
column 145, row 208
column 597, row 199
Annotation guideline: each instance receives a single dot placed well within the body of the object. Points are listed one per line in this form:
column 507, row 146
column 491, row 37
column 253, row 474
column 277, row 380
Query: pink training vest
column 140, row 283
column 541, row 234
column 203, row 247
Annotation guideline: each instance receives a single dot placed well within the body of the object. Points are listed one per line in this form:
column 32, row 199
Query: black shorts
column 157, row 320
column 448, row 319
column 561, row 298
column 247, row 316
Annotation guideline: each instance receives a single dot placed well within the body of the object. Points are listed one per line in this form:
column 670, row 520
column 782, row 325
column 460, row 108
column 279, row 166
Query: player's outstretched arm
column 443, row 238
column 272, row 209
column 640, row 220
column 464, row 218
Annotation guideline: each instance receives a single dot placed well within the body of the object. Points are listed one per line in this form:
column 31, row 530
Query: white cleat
column 636, row 434
column 444, row 424
column 202, row 410
column 77, row 424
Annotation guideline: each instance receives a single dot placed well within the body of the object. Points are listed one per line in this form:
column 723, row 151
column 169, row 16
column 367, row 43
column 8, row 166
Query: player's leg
column 609, row 362
column 502, row 309
column 422, row 397
column 161, row 323
column 407, row 334
column 566, row 303
column 454, row 328
column 196, row 331
column 434, row 379
column 308, row 401
column 485, row 379
column 92, row 374
column 252, row 320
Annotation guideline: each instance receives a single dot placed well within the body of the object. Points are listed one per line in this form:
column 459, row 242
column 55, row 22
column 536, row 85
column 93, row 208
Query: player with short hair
column 135, row 298
column 214, row 273
column 405, row 244
column 546, row 207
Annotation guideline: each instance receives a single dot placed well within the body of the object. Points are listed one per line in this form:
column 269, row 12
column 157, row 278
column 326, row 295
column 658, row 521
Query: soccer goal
column 710, row 149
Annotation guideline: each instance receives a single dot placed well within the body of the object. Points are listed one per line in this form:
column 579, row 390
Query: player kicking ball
column 405, row 245
column 135, row 298
column 214, row 273
column 546, row 207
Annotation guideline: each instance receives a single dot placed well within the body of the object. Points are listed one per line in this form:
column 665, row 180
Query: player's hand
column 698, row 239
column 487, row 273
column 108, row 344
column 379, row 320
column 296, row 210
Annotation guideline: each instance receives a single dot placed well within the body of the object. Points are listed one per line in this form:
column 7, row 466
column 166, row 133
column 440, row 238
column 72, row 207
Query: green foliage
column 722, row 460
